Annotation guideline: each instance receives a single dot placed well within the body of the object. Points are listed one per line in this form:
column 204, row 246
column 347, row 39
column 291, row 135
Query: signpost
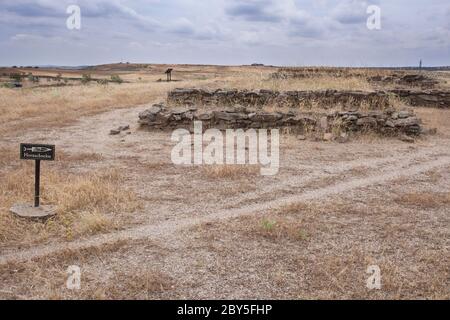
column 38, row 153
column 169, row 74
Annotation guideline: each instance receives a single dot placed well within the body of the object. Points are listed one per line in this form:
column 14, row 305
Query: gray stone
column 351, row 118
column 124, row 128
column 389, row 124
column 179, row 111
column 404, row 114
column 343, row 138
column 367, row 121
column 205, row 116
column 240, row 109
column 265, row 117
column 114, row 132
column 407, row 139
column 412, row 121
column 151, row 113
column 227, row 116
column 189, row 116
column 323, row 123
column 375, row 114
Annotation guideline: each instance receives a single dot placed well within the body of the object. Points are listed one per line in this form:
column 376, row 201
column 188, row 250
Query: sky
column 226, row 32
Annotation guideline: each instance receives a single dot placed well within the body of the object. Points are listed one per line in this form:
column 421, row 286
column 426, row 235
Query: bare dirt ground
column 309, row 232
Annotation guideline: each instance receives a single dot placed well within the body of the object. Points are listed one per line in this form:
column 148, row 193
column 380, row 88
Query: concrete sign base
column 29, row 211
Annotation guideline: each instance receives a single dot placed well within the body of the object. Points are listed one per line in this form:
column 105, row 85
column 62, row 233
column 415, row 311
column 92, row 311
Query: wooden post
column 37, row 183
column 169, row 74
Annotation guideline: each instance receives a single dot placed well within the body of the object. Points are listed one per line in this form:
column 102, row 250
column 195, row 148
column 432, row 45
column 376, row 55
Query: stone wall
column 381, row 77
column 405, row 80
column 428, row 98
column 291, row 99
column 388, row 122
column 317, row 72
column 306, row 99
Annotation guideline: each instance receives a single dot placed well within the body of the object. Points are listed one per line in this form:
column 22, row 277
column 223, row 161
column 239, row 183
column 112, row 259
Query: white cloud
column 351, row 11
column 275, row 30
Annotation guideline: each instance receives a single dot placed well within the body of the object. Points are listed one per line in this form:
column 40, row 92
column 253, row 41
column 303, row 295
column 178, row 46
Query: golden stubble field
column 140, row 227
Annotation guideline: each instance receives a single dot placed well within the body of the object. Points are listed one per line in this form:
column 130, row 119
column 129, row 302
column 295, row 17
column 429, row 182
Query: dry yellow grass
column 58, row 106
column 276, row 227
column 294, row 208
column 132, row 283
column 435, row 118
column 87, row 204
column 322, row 250
column 425, row 200
column 255, row 81
column 230, row 171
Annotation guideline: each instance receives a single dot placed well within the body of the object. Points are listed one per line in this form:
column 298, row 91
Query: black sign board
column 37, row 152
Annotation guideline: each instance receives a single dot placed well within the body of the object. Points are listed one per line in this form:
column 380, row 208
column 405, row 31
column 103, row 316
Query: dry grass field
column 140, row 227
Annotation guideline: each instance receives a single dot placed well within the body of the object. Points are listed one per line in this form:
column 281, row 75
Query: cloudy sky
column 279, row 32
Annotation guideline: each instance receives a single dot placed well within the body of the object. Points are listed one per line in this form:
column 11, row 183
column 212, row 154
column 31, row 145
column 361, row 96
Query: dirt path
column 165, row 230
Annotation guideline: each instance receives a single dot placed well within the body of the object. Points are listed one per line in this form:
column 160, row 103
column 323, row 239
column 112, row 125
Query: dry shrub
column 87, row 203
column 275, row 227
column 155, row 166
column 78, row 157
column 294, row 208
column 230, row 171
column 9, row 154
column 130, row 285
column 94, row 222
column 425, row 200
column 99, row 191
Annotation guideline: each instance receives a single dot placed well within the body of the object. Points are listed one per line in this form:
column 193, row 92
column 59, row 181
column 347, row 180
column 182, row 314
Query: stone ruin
column 381, row 77
column 427, row 98
column 387, row 122
column 324, row 99
column 358, row 112
column 314, row 72
column 408, row 80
